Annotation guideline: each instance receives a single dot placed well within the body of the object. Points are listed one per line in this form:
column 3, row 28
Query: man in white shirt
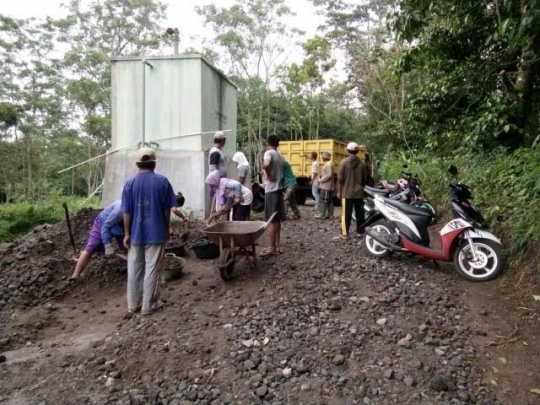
column 274, row 203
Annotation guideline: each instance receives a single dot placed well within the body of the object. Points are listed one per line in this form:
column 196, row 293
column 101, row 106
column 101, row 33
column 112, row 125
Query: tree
column 30, row 83
column 253, row 37
column 102, row 30
column 479, row 64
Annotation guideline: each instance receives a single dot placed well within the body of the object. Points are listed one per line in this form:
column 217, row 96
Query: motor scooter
column 406, row 189
column 474, row 250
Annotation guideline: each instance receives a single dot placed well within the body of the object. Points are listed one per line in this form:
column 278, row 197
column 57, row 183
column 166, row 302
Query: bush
column 19, row 219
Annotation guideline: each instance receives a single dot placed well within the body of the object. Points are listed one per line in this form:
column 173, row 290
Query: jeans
column 315, row 193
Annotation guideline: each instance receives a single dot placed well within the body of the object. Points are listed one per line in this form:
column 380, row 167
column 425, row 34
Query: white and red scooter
column 474, row 250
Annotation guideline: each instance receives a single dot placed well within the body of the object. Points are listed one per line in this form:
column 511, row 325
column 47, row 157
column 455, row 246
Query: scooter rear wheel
column 488, row 263
column 375, row 248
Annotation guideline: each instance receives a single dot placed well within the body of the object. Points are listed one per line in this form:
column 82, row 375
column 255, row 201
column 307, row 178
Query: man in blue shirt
column 147, row 200
column 107, row 224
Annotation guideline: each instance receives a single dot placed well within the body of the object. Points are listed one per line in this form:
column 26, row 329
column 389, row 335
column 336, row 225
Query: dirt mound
column 34, row 269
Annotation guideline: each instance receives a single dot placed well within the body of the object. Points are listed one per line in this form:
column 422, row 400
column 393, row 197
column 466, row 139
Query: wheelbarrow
column 235, row 238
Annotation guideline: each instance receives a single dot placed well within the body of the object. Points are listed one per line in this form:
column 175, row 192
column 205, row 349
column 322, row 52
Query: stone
column 338, row 359
column 287, row 372
column 262, row 391
column 439, row 383
column 409, row 381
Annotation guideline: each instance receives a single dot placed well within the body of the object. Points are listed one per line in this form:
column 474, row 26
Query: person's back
column 352, row 174
column 147, row 199
column 148, row 195
column 288, row 176
column 276, row 171
column 216, row 157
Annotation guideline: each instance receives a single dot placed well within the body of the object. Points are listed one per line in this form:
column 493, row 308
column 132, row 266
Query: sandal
column 268, row 252
column 155, row 307
column 135, row 310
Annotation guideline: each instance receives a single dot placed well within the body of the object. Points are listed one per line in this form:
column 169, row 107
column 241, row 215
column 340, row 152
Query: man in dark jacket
column 352, row 177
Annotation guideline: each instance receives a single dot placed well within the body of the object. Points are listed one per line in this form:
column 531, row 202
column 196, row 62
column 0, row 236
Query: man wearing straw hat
column 147, row 200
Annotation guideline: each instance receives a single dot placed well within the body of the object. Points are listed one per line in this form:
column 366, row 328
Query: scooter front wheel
column 375, row 248
column 485, row 266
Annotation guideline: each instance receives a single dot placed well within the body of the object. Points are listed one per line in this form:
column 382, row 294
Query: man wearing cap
column 326, row 184
column 352, row 177
column 147, row 200
column 216, row 157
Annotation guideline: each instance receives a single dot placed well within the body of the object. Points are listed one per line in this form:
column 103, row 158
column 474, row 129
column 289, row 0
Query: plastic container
column 176, row 250
column 205, row 249
column 173, row 267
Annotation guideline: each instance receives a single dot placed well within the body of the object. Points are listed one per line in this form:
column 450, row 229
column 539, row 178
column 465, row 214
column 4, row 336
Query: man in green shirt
column 289, row 182
column 352, row 178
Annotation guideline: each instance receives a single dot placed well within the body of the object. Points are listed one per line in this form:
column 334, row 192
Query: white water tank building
column 173, row 104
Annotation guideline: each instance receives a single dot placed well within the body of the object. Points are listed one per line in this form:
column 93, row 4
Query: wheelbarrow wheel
column 226, row 264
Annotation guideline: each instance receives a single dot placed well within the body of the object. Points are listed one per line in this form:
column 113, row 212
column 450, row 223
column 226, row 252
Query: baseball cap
column 352, row 146
column 326, row 155
column 145, row 155
column 220, row 135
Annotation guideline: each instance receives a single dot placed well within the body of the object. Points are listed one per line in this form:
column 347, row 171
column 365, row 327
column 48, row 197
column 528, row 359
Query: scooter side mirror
column 452, row 170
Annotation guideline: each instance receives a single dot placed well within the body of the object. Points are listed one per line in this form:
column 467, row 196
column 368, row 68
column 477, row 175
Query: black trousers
column 347, row 205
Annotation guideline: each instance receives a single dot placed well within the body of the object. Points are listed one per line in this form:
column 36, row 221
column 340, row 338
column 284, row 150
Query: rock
column 262, row 391
column 2, row 358
column 305, row 387
column 409, row 381
column 287, row 372
column 110, row 382
column 439, row 383
column 116, row 374
column 249, row 365
column 405, row 343
column 381, row 321
column 389, row 373
column 338, row 359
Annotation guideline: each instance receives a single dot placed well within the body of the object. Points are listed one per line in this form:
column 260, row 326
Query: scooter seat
column 408, row 209
column 379, row 191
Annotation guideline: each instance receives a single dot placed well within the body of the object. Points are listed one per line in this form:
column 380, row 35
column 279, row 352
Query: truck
column 297, row 154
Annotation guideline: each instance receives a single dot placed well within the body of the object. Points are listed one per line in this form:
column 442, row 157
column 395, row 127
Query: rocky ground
column 322, row 323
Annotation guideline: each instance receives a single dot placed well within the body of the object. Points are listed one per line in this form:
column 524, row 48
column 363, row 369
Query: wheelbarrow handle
column 270, row 220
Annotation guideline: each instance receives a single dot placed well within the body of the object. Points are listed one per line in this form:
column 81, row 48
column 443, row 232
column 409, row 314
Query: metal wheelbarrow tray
column 235, row 234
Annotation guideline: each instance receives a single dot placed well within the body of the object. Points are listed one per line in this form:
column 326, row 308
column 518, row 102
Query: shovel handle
column 69, row 227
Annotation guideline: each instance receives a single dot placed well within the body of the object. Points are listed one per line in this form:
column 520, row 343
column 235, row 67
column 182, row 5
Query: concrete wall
column 121, row 166
column 185, row 96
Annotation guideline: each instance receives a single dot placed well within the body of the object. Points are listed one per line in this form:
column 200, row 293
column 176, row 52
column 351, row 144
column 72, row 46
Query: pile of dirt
column 35, row 268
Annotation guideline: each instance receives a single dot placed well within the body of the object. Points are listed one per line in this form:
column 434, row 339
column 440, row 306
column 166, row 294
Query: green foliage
column 18, row 219
column 8, row 116
column 478, row 71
